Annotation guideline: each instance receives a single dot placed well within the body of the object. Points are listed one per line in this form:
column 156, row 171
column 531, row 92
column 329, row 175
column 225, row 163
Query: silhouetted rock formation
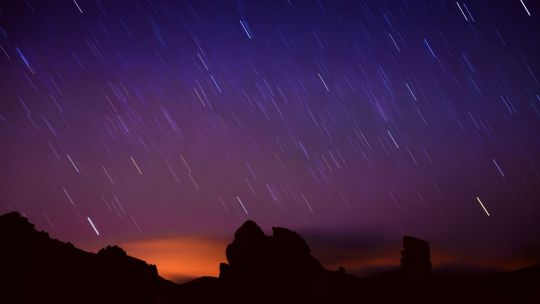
column 253, row 255
column 280, row 266
column 415, row 257
column 261, row 269
column 38, row 269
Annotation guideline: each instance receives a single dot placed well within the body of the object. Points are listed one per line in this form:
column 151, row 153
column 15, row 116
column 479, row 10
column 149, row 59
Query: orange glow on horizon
column 180, row 258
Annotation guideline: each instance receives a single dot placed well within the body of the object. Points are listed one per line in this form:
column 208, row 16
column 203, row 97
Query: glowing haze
column 163, row 125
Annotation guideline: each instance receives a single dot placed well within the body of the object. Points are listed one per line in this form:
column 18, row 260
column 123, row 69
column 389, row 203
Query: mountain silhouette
column 260, row 269
column 38, row 269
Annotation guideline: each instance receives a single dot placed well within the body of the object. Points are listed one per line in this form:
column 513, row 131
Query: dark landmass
column 261, row 269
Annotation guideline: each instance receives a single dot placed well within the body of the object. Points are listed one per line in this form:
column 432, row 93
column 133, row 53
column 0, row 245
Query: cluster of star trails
column 131, row 119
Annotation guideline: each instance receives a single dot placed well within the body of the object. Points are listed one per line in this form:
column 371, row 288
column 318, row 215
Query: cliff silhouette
column 260, row 269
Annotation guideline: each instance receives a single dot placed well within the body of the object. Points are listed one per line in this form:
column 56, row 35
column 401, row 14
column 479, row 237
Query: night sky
column 352, row 122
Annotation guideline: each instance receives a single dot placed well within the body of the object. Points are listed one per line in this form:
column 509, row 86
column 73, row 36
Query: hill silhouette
column 260, row 269
column 38, row 269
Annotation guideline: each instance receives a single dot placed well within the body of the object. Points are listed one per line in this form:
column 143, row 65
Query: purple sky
column 335, row 118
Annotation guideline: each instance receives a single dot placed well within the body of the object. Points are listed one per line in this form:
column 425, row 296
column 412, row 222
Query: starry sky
column 146, row 123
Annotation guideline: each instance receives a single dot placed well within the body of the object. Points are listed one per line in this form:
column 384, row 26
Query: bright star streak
column 72, row 163
column 136, row 166
column 462, row 11
column 243, row 207
column 498, row 167
column 323, row 82
column 92, row 224
column 393, row 140
column 483, row 207
column 246, row 29
column 78, row 7
column 525, row 7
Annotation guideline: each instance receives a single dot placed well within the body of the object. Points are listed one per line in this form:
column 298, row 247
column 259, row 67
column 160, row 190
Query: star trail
column 128, row 120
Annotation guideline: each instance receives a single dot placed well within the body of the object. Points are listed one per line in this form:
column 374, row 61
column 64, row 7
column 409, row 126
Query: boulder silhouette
column 415, row 257
column 252, row 254
column 279, row 266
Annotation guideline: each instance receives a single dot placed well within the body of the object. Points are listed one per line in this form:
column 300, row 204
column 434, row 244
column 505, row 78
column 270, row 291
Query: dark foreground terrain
column 261, row 269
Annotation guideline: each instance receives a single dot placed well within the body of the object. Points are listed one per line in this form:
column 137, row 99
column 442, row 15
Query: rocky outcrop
column 38, row 269
column 415, row 257
column 254, row 255
column 280, row 265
